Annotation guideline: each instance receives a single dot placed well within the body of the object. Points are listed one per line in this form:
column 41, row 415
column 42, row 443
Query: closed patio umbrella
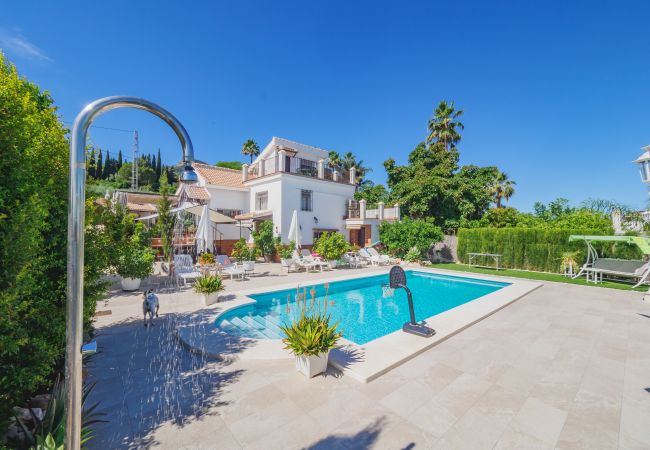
column 294, row 230
column 204, row 234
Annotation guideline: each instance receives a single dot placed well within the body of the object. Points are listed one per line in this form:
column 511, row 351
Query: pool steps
column 254, row 326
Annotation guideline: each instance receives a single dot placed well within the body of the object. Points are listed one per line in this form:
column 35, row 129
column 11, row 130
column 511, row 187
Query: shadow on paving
column 364, row 439
column 146, row 378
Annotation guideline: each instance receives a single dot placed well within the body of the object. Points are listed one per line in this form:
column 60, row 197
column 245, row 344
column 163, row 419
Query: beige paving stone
column 462, row 393
column 407, row 398
column 540, row 420
column 566, row 366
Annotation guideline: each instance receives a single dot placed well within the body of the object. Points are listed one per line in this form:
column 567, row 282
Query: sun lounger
column 308, row 262
column 620, row 268
column 184, row 269
column 227, row 267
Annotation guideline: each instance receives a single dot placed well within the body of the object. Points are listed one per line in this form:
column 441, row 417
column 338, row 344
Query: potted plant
column 311, row 335
column 134, row 262
column 331, row 246
column 206, row 259
column 569, row 262
column 286, row 253
column 264, row 240
column 209, row 287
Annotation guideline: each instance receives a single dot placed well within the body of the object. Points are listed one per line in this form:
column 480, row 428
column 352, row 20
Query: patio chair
column 381, row 258
column 184, row 269
column 228, row 267
column 307, row 261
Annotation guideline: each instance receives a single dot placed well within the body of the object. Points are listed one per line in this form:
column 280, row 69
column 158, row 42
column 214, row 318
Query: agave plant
column 49, row 431
column 311, row 332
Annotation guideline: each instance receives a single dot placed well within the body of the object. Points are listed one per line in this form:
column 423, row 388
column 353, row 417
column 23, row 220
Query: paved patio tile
column 564, row 367
column 540, row 420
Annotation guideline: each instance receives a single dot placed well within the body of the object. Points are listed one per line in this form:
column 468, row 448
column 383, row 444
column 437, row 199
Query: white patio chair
column 184, row 269
column 226, row 266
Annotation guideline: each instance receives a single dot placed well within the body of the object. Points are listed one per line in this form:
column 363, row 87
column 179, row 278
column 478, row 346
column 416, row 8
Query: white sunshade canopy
column 294, row 230
column 644, row 164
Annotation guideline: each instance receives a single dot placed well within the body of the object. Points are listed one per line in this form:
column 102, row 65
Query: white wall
column 224, row 198
column 329, row 204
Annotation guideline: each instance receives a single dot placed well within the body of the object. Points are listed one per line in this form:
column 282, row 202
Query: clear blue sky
column 556, row 94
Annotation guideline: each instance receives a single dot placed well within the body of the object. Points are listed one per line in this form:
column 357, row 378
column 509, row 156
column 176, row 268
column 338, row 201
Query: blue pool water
column 361, row 306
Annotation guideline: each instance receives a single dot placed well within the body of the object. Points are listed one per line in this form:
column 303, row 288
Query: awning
column 215, row 216
column 254, row 215
column 639, row 241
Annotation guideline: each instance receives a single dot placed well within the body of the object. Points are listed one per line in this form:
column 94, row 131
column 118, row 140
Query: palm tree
column 444, row 124
column 250, row 148
column 347, row 162
column 502, row 188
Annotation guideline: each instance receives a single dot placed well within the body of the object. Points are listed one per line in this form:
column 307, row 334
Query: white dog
column 150, row 306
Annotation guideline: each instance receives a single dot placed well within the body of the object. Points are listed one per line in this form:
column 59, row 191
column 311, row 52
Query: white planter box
column 310, row 366
column 130, row 284
column 332, row 263
column 249, row 266
column 209, row 299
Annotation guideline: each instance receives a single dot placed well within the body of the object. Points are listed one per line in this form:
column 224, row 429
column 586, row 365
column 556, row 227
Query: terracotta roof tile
column 219, row 176
column 197, row 192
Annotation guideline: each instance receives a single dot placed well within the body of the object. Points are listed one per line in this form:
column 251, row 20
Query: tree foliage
column 400, row 237
column 250, row 148
column 33, row 238
column 347, row 162
column 372, row 193
column 236, row 165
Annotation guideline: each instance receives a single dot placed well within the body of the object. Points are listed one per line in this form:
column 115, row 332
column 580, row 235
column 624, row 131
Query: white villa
column 286, row 176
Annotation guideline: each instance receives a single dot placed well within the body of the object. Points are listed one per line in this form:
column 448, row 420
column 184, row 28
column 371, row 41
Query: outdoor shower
column 76, row 212
column 397, row 278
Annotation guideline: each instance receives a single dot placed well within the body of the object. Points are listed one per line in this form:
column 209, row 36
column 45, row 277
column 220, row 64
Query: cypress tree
column 108, row 166
column 99, row 172
column 91, row 163
column 119, row 160
column 153, row 163
column 158, row 165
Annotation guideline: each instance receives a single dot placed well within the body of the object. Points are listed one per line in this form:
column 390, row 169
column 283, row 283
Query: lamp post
column 644, row 164
column 76, row 213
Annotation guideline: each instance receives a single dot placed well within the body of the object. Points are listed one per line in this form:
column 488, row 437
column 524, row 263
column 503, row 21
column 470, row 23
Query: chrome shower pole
column 76, row 213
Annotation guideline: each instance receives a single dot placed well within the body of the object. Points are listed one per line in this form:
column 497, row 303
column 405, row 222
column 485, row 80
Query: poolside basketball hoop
column 387, row 291
column 398, row 281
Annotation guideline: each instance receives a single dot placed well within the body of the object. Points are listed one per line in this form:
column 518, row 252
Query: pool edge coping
column 386, row 352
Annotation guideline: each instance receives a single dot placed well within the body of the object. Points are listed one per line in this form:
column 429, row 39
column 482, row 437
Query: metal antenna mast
column 136, row 157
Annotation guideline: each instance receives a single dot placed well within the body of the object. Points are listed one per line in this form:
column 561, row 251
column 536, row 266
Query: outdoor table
column 495, row 256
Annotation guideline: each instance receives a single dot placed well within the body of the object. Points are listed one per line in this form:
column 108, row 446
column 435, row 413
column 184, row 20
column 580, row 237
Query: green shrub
column 331, row 246
column 33, row 239
column 263, row 238
column 285, row 250
column 413, row 254
column 400, row 237
column 540, row 249
column 208, row 284
column 206, row 259
column 242, row 252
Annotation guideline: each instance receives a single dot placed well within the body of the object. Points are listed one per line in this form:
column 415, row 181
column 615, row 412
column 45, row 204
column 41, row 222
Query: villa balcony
column 360, row 214
column 297, row 166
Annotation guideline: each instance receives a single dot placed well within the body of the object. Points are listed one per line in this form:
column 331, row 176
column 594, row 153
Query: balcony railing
column 391, row 213
column 298, row 166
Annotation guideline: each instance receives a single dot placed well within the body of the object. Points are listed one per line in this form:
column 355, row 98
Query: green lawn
column 537, row 276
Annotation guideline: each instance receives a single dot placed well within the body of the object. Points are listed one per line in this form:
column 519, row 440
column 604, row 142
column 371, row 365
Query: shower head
column 188, row 176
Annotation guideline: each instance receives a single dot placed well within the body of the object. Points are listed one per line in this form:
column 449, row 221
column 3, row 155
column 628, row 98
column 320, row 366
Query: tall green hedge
column 538, row 249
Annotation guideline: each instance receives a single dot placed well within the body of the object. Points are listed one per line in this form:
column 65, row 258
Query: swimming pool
column 362, row 306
